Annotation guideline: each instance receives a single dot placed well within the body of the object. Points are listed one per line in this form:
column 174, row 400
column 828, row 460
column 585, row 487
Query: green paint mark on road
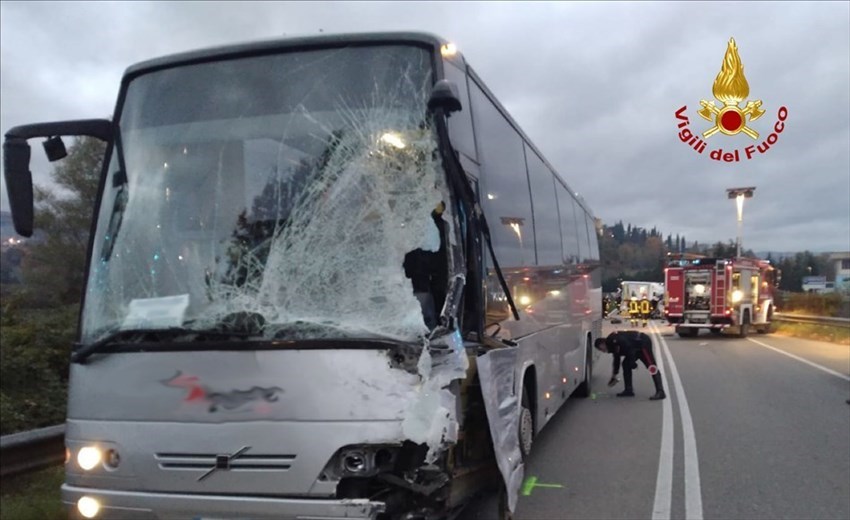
column 531, row 483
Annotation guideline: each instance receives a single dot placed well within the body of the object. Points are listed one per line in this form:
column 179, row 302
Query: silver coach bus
column 328, row 277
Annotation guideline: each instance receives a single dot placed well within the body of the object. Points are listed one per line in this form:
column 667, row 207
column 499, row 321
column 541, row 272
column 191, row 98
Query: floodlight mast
column 739, row 194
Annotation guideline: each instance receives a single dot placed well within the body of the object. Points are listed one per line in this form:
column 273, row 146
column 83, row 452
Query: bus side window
column 460, row 123
column 504, row 183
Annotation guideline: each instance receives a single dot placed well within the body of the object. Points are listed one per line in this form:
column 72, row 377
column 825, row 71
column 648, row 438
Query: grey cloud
column 595, row 86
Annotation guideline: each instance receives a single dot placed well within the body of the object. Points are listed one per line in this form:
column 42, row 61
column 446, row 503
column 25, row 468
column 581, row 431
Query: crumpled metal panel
column 497, row 371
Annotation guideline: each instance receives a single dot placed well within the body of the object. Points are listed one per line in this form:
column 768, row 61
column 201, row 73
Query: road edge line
column 802, row 360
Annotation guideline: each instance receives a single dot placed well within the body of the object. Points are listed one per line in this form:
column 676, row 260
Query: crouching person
column 631, row 345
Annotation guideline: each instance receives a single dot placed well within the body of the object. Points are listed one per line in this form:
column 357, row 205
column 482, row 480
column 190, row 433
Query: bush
column 811, row 303
column 34, row 356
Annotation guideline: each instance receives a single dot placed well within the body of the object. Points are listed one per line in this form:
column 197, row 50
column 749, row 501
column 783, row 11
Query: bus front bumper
column 117, row 504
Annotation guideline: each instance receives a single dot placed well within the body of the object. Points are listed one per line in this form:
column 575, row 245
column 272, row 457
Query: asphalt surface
column 757, row 428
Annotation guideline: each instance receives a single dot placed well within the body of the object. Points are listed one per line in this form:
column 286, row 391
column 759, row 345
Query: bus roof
column 332, row 40
column 280, row 44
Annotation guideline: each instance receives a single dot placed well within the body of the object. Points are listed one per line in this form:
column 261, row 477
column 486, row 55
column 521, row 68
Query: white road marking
column 693, row 490
column 664, row 480
column 806, row 361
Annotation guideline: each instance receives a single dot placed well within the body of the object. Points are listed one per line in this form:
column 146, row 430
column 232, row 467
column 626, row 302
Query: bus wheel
column 526, row 426
column 583, row 390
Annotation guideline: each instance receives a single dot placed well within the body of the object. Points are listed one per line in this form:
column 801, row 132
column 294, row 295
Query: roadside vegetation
column 34, row 496
column 829, row 333
column 40, row 295
column 813, row 304
column 834, row 305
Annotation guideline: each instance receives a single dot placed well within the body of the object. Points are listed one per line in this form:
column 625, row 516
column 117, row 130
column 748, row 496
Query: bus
column 327, row 277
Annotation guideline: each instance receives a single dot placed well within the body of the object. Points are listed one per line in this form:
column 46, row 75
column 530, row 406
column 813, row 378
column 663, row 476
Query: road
column 754, row 428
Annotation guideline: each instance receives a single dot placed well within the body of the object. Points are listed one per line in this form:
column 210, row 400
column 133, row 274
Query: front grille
column 206, row 461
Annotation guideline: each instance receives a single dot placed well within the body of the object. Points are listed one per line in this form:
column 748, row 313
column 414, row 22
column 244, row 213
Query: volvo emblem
column 223, row 462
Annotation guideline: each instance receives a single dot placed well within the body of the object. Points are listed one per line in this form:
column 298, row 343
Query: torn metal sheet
column 431, row 417
column 497, row 371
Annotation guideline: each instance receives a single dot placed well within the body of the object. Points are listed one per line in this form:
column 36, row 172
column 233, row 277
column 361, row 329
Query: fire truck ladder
column 718, row 292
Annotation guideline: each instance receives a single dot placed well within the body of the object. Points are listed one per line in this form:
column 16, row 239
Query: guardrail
column 32, row 450
column 818, row 320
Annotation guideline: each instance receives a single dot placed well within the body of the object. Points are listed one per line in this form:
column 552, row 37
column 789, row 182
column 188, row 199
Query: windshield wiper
column 119, row 180
column 311, row 330
column 120, row 337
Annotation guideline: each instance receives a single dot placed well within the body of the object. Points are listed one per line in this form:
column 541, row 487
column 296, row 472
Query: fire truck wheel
column 687, row 332
column 767, row 329
column 744, row 327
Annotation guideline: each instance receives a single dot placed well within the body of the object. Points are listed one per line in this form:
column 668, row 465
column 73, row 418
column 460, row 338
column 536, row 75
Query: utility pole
column 739, row 194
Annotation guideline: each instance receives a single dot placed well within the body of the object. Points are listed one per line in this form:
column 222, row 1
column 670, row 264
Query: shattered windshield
column 280, row 193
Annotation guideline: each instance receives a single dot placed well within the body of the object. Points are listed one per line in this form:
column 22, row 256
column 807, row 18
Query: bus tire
column 526, row 425
column 584, row 389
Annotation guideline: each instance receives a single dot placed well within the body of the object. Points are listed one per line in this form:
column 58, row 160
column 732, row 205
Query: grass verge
column 829, row 333
column 34, row 496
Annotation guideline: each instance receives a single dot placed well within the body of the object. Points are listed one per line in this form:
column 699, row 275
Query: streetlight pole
column 739, row 194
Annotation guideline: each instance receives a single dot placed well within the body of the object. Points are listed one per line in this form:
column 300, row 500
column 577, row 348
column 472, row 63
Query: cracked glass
column 277, row 194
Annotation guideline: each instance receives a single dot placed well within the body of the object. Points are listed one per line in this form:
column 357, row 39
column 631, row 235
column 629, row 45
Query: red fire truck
column 718, row 293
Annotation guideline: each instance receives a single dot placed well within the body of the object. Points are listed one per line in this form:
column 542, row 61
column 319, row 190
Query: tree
column 54, row 269
column 618, row 232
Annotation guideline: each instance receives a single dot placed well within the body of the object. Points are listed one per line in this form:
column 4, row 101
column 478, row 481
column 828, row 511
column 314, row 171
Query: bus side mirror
column 444, row 95
column 16, row 169
column 16, row 160
column 54, row 148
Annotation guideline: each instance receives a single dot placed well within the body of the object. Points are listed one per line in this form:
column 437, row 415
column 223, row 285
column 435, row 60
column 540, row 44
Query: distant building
column 842, row 270
column 817, row 284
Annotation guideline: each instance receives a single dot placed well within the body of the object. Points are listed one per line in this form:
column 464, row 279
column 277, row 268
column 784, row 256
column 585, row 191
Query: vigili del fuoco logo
column 731, row 88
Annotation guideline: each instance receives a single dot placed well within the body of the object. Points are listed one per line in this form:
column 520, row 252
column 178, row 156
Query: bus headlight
column 736, row 296
column 360, row 461
column 88, row 507
column 89, row 457
column 356, row 462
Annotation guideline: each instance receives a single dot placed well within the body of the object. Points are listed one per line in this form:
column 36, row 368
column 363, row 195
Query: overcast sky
column 594, row 85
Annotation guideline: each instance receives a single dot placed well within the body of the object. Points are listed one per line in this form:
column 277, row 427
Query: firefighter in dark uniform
column 632, row 346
